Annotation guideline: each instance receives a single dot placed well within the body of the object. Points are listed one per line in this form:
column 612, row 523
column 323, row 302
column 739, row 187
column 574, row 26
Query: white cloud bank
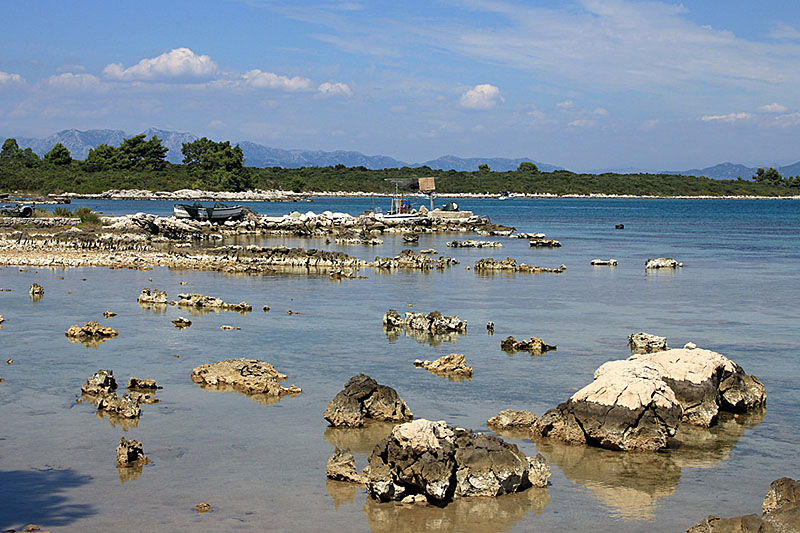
column 268, row 80
column 730, row 117
column 177, row 63
column 484, row 96
column 335, row 88
column 74, row 82
column 773, row 108
column 10, row 79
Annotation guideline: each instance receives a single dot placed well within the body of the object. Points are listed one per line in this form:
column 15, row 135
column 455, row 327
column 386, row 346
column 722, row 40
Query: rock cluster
column 36, row 290
column 544, row 243
column 201, row 301
column 454, row 364
column 130, row 453
column 249, row 376
column 90, row 330
column 510, row 264
column 358, row 237
column 528, row 236
column 99, row 390
column 150, row 296
column 410, row 259
column 661, row 262
column 604, row 262
column 780, row 512
column 363, row 398
column 646, row 343
column 440, row 463
column 433, row 323
column 534, row 345
column 638, row 403
column 474, row 244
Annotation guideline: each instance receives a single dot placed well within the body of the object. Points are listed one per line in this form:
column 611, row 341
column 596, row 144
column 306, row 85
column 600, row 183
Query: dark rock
column 130, row 452
column 534, row 345
column 364, row 398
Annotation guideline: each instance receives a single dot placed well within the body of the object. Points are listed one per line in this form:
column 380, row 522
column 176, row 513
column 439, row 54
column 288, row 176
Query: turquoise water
column 262, row 467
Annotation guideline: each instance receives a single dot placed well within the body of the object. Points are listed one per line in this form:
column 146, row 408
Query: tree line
column 210, row 165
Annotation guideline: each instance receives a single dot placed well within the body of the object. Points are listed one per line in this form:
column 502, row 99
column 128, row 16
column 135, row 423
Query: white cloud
column 335, row 88
column 648, row 125
column 773, row 108
column 582, row 123
column 784, row 121
column 784, row 32
column 484, row 96
column 601, row 111
column 74, row 82
column 566, row 104
column 10, row 79
column 177, row 63
column 730, row 117
column 268, row 80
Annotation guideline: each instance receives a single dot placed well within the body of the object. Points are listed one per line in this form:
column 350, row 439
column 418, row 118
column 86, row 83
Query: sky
column 585, row 84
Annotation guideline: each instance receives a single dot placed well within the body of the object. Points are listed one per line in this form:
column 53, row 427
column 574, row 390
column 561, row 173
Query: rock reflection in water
column 696, row 447
column 358, row 440
column 158, row 309
column 341, row 492
column 422, row 337
column 88, row 342
column 129, row 473
column 263, row 399
column 463, row 514
column 124, row 423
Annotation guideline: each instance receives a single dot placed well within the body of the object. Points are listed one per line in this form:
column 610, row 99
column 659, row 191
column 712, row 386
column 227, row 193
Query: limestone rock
column 212, row 302
column 440, row 463
column 130, row 452
column 250, row 376
column 136, row 383
column 544, row 243
column 123, row 407
column 100, row 383
column 364, row 398
column 342, row 467
column 454, row 364
column 627, row 407
column 534, row 345
column 434, row 322
column 182, row 322
column 36, row 290
column 392, row 319
column 474, row 244
column 646, row 343
column 152, row 296
column 510, row 264
column 109, row 314
column 604, row 262
column 782, row 493
column 91, row 330
column 512, row 418
column 661, row 262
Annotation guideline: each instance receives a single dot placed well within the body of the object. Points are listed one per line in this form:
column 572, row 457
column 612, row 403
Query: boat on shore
column 218, row 213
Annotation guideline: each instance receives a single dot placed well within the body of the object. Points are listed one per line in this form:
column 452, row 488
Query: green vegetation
column 140, row 164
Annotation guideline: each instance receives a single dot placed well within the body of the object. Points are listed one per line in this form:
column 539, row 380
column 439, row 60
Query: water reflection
column 696, row 447
column 422, row 337
column 118, row 421
column 158, row 309
column 463, row 514
column 263, row 399
column 358, row 440
column 129, row 473
column 341, row 492
column 88, row 342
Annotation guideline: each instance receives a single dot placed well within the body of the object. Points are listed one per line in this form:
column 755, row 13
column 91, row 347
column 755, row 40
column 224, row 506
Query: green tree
column 103, row 157
column 527, row 166
column 58, row 155
column 769, row 176
column 10, row 149
column 205, row 154
column 483, row 167
column 137, row 153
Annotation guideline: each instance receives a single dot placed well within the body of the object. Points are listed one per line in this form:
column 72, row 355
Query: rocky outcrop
column 439, row 463
column 661, row 262
column 434, row 322
column 363, row 398
column 342, row 467
column 358, row 237
column 409, row 259
column 704, row 382
column 249, row 376
column 130, row 453
column 200, row 301
column 493, row 230
column 780, row 513
column 604, row 262
column 124, row 406
column 629, row 408
column 474, row 244
column 393, row 320
column 646, row 343
column 528, row 236
column 152, row 297
column 534, row 345
column 454, row 364
column 512, row 418
column 100, row 383
column 544, row 243
column 510, row 264
column 36, row 290
column 99, row 390
column 182, row 322
column 90, row 330
column 142, row 384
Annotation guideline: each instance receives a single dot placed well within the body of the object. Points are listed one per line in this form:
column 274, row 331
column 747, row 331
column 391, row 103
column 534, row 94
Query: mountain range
column 258, row 155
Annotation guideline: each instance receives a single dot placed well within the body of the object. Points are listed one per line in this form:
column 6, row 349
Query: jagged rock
column 211, row 302
column 627, row 407
column 91, row 330
column 364, row 398
column 342, row 467
column 250, row 376
column 136, row 383
column 646, row 343
column 411, row 238
column 434, row 322
column 490, row 327
column 528, row 236
column 704, row 382
column 429, row 251
column 604, row 262
column 534, row 345
column 544, row 243
column 413, row 260
column 510, row 264
column 152, row 296
column 202, row 507
column 123, row 407
column 392, row 319
column 109, row 314
column 781, row 513
column 130, row 452
column 619, row 226
column 100, row 383
column 512, row 418
column 441, row 463
column 453, row 364
column 661, row 262
column 474, row 244
column 36, row 290
column 182, row 322
column 358, row 237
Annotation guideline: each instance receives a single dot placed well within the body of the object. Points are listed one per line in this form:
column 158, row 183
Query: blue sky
column 587, row 84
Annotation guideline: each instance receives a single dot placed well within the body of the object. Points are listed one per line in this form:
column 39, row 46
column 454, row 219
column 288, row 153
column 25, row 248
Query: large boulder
column 434, row 322
column 646, row 343
column 439, row 463
column 250, row 376
column 627, row 407
column 364, row 398
column 704, row 382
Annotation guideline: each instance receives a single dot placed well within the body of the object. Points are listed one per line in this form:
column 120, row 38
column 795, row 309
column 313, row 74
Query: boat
column 506, row 195
column 401, row 210
column 218, row 213
column 16, row 210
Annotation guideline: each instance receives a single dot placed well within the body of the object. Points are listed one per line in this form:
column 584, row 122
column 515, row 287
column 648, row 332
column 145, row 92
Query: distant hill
column 498, row 164
column 731, row 171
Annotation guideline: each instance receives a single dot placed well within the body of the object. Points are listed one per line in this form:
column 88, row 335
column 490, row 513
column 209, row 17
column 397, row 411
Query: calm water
column 262, row 467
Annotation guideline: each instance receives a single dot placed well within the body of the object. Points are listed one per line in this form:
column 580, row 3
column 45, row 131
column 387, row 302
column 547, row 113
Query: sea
column 260, row 463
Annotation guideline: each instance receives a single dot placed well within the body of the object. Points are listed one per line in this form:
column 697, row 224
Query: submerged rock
column 440, row 463
column 342, row 467
column 182, row 322
column 454, row 364
column 123, row 407
column 250, row 376
column 646, row 343
column 363, row 398
column 512, row 418
column 510, row 264
column 130, row 453
column 661, row 262
column 392, row 319
column 91, row 330
column 534, row 345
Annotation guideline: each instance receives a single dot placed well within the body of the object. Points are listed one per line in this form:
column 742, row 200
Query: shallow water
column 262, row 465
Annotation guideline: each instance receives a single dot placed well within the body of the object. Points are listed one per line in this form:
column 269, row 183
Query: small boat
column 506, row 196
column 16, row 210
column 218, row 213
column 401, row 211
